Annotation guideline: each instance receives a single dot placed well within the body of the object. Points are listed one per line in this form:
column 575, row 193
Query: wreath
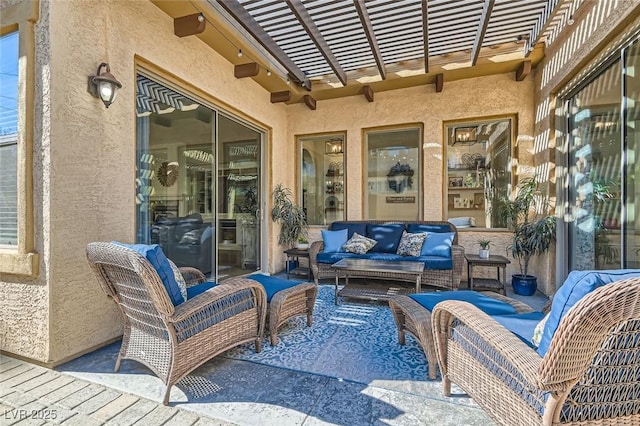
column 400, row 177
column 167, row 174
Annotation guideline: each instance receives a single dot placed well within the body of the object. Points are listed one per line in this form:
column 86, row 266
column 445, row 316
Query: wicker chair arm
column 457, row 256
column 203, row 300
column 192, row 276
column 504, row 344
column 315, row 248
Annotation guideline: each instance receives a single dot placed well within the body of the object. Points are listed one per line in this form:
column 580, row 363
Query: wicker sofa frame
column 589, row 374
column 172, row 340
column 446, row 278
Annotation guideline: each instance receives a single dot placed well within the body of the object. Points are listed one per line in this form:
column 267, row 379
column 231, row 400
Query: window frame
column 23, row 259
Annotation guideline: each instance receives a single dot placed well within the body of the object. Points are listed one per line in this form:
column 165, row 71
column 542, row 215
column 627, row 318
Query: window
column 17, row 41
column 393, row 173
column 9, row 140
column 478, row 173
column 323, row 177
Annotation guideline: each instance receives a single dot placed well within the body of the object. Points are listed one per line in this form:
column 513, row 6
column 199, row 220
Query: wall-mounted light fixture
column 465, row 135
column 333, row 147
column 104, row 85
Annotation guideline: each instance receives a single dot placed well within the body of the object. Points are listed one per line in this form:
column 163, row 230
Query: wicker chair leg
column 446, row 386
column 118, row 361
column 259, row 344
column 165, row 400
column 273, row 338
column 433, row 371
column 309, row 319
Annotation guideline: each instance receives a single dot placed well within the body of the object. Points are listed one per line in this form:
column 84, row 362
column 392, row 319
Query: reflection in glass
column 632, row 129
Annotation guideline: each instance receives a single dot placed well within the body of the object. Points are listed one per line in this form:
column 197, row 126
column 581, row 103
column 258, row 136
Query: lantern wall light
column 103, row 85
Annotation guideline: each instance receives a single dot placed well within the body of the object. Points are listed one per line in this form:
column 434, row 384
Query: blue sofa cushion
column 334, row 240
column 434, row 262
column 387, row 236
column 272, row 285
column 154, row 254
column 485, row 303
column 522, row 325
column 197, row 289
column 426, row 227
column 575, row 287
column 438, row 244
column 360, row 228
column 332, row 258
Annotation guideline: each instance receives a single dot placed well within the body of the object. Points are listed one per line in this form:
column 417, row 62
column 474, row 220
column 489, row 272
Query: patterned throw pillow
column 358, row 244
column 179, row 279
column 411, row 244
column 537, row 332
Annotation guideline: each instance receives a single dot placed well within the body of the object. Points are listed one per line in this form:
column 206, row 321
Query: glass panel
column 632, row 102
column 238, row 198
column 594, row 168
column 176, row 160
column 9, row 139
column 393, row 174
column 478, row 171
column 323, row 195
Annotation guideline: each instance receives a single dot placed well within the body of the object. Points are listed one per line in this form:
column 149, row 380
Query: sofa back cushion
column 575, row 287
column 334, row 240
column 351, row 227
column 438, row 244
column 429, row 227
column 387, row 236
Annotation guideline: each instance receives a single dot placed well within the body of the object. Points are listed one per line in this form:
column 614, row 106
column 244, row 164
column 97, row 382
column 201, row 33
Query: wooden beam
column 523, row 70
column 487, row 8
column 425, row 35
column 280, row 97
column 367, row 91
column 250, row 69
column 439, row 82
column 189, row 25
column 312, row 30
column 237, row 11
column 368, row 31
column 310, row 102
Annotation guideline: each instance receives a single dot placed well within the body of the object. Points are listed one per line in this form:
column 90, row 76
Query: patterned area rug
column 355, row 341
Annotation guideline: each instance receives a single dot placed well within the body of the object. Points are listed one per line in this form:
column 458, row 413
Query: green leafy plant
column 484, row 244
column 303, row 240
column 533, row 229
column 291, row 217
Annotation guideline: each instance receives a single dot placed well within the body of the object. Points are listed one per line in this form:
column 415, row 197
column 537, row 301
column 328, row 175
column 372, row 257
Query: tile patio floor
column 254, row 394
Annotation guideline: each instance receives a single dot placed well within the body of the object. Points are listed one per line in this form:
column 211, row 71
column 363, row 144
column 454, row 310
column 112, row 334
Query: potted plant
column 303, row 243
column 291, row 217
column 484, row 249
column 533, row 230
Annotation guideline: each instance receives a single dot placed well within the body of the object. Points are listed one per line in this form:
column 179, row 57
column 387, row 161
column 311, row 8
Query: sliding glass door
column 603, row 146
column 198, row 182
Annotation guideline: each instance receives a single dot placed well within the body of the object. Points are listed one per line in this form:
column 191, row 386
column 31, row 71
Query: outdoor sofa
column 443, row 269
column 579, row 365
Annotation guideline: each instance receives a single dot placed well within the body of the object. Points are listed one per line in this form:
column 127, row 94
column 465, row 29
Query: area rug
column 355, row 341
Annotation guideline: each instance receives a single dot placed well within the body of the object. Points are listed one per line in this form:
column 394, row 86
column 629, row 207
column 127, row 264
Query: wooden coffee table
column 377, row 269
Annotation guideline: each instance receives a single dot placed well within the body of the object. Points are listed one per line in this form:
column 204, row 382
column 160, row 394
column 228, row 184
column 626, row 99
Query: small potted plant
column 484, row 249
column 303, row 243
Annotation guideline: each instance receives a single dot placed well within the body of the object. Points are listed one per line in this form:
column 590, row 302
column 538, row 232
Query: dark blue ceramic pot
column 524, row 285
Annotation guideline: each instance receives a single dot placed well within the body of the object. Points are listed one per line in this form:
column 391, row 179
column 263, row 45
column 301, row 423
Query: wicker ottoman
column 412, row 317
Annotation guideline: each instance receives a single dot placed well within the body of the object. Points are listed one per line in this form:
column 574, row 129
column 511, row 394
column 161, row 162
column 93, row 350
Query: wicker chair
column 589, row 375
column 172, row 340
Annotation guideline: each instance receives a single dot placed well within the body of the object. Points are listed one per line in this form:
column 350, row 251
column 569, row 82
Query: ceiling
column 331, row 48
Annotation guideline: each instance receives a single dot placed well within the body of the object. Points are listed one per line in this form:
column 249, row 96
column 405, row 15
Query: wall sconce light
column 465, row 136
column 104, row 85
column 333, row 147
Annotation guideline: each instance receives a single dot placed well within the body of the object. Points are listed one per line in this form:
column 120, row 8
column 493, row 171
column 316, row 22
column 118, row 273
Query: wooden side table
column 296, row 254
column 499, row 262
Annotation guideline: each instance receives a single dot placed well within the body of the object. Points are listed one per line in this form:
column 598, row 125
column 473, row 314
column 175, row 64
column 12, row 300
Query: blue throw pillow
column 438, row 244
column 486, row 304
column 387, row 236
column 334, row 240
column 154, row 254
column 575, row 287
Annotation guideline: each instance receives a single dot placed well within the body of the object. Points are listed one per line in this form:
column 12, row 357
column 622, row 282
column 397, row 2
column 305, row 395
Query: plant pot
column 483, row 254
column 524, row 285
column 302, row 246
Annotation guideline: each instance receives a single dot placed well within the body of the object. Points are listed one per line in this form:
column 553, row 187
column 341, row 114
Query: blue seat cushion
column 430, row 262
column 522, row 325
column 360, row 228
column 195, row 290
column 387, row 237
column 485, row 303
column 438, row 244
column 575, row 287
column 414, row 228
column 272, row 285
column 154, row 254
column 332, row 258
column 333, row 240
column 434, row 262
